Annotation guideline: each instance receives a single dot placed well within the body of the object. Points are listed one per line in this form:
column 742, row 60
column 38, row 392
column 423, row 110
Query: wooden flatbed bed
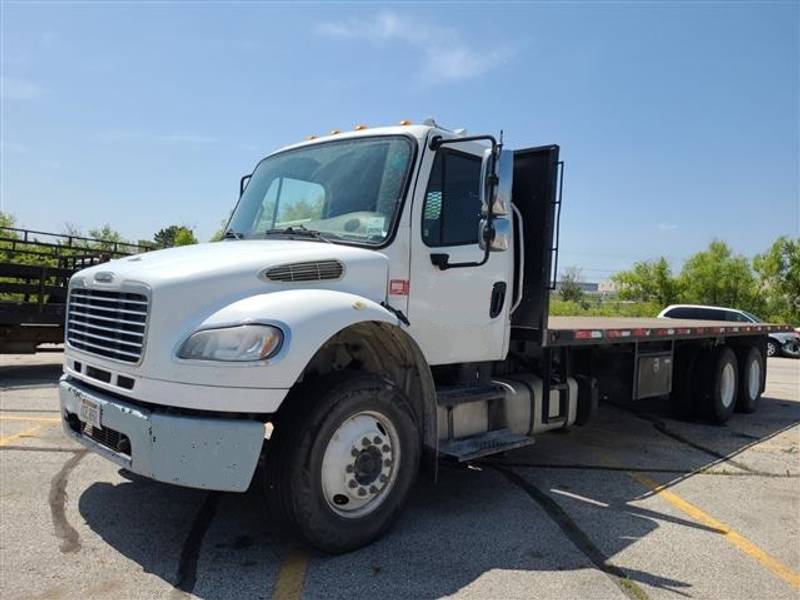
column 572, row 331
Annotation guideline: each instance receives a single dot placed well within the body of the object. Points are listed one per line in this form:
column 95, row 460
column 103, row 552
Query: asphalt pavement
column 635, row 505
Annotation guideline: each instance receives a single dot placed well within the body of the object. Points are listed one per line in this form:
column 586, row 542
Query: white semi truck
column 379, row 302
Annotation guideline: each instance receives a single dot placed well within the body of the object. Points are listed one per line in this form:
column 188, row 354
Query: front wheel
column 342, row 460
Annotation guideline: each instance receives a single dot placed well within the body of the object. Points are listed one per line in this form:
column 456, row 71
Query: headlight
column 233, row 344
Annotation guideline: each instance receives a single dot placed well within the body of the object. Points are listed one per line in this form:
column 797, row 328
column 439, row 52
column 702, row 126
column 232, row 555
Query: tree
column 716, row 277
column 185, row 237
column 570, row 285
column 107, row 236
column 174, row 235
column 778, row 272
column 649, row 281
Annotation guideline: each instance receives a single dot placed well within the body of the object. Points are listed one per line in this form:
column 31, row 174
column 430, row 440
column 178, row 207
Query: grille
column 316, row 270
column 109, row 324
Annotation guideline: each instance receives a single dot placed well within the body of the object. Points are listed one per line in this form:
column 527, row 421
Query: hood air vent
column 315, row 270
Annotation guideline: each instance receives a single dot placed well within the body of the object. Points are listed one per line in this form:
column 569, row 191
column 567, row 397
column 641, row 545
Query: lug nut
column 387, row 463
column 354, row 452
column 362, row 492
column 376, row 440
column 384, row 478
column 373, row 489
column 365, row 442
column 386, row 448
column 352, row 483
column 349, row 468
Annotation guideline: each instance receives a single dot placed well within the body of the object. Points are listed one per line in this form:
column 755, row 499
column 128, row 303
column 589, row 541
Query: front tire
column 342, row 460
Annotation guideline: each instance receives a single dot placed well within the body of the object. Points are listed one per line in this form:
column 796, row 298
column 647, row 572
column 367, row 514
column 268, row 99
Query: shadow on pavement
column 510, row 514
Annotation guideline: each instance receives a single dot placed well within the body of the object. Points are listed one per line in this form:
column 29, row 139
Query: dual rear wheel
column 713, row 383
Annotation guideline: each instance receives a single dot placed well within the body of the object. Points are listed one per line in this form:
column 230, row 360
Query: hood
column 237, row 265
column 187, row 284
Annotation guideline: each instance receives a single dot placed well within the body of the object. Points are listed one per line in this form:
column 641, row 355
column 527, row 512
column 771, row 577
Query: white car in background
column 778, row 344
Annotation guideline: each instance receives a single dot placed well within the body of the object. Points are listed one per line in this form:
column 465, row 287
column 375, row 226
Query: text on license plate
column 90, row 412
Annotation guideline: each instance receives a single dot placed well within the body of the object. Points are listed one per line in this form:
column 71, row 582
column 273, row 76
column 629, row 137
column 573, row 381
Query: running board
column 453, row 396
column 484, row 444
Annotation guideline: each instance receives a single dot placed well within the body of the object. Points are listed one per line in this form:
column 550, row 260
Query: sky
column 678, row 121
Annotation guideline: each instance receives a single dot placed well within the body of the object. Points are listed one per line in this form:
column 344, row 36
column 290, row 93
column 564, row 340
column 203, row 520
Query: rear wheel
column 751, row 380
column 686, row 394
column 342, row 460
column 722, row 385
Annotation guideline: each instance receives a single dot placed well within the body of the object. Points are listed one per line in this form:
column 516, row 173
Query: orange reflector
column 404, row 122
column 311, row 137
column 335, row 131
column 360, row 127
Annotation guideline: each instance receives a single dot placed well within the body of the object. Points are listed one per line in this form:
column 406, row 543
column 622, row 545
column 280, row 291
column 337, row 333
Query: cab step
column 455, row 395
column 484, row 444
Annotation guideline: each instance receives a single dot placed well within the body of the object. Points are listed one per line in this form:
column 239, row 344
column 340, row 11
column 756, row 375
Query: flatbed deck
column 572, row 331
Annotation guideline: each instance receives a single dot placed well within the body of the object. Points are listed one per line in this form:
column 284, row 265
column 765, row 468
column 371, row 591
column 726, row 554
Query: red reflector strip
column 618, row 333
column 399, row 287
column 588, row 334
column 641, row 332
column 684, row 331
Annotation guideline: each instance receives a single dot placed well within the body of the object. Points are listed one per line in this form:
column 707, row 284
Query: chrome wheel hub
column 360, row 464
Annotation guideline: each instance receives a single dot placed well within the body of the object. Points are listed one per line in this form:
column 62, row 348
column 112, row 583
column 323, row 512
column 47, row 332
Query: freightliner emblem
column 104, row 277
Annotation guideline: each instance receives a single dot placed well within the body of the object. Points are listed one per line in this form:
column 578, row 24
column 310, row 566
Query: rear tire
column 312, row 462
column 722, row 385
column 686, row 393
column 751, row 380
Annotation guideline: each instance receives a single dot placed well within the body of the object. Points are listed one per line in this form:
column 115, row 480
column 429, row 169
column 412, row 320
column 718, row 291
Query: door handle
column 498, row 299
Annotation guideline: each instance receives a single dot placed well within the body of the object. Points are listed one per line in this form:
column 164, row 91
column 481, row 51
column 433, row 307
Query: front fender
column 308, row 318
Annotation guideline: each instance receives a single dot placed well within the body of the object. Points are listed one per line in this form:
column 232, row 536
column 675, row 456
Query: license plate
column 90, row 412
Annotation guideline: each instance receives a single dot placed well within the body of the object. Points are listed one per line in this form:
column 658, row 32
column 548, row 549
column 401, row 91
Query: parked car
column 778, row 344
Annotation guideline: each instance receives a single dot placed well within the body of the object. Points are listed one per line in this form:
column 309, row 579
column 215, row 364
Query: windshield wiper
column 300, row 231
column 230, row 234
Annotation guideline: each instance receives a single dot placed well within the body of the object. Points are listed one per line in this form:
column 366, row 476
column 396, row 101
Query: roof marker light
column 360, row 127
column 335, row 131
column 311, row 137
column 404, row 122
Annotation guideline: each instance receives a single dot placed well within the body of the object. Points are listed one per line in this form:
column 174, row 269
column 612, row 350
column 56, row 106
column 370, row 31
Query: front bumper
column 199, row 452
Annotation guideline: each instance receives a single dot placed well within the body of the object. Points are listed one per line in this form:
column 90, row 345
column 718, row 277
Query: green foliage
column 174, row 235
column 649, row 281
column 598, row 307
column 716, row 277
column 569, row 287
column 185, row 237
column 301, row 210
column 778, row 271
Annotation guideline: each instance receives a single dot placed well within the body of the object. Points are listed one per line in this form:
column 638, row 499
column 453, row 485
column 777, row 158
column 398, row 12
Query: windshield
column 346, row 190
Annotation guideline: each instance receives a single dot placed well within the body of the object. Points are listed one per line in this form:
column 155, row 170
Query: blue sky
column 678, row 121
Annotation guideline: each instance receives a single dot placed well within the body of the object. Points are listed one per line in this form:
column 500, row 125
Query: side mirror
column 496, row 191
column 243, row 184
column 496, row 235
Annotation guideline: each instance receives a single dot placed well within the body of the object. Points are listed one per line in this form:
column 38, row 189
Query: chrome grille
column 109, row 324
column 315, row 270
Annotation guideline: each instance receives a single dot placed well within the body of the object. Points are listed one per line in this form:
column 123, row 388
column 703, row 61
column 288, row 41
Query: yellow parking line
column 4, row 441
column 22, row 418
column 742, row 543
column 291, row 576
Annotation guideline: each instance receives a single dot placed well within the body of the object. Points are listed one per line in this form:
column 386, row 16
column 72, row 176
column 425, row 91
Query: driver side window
column 452, row 208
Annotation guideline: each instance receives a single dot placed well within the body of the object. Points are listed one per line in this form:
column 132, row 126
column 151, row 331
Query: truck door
column 458, row 314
